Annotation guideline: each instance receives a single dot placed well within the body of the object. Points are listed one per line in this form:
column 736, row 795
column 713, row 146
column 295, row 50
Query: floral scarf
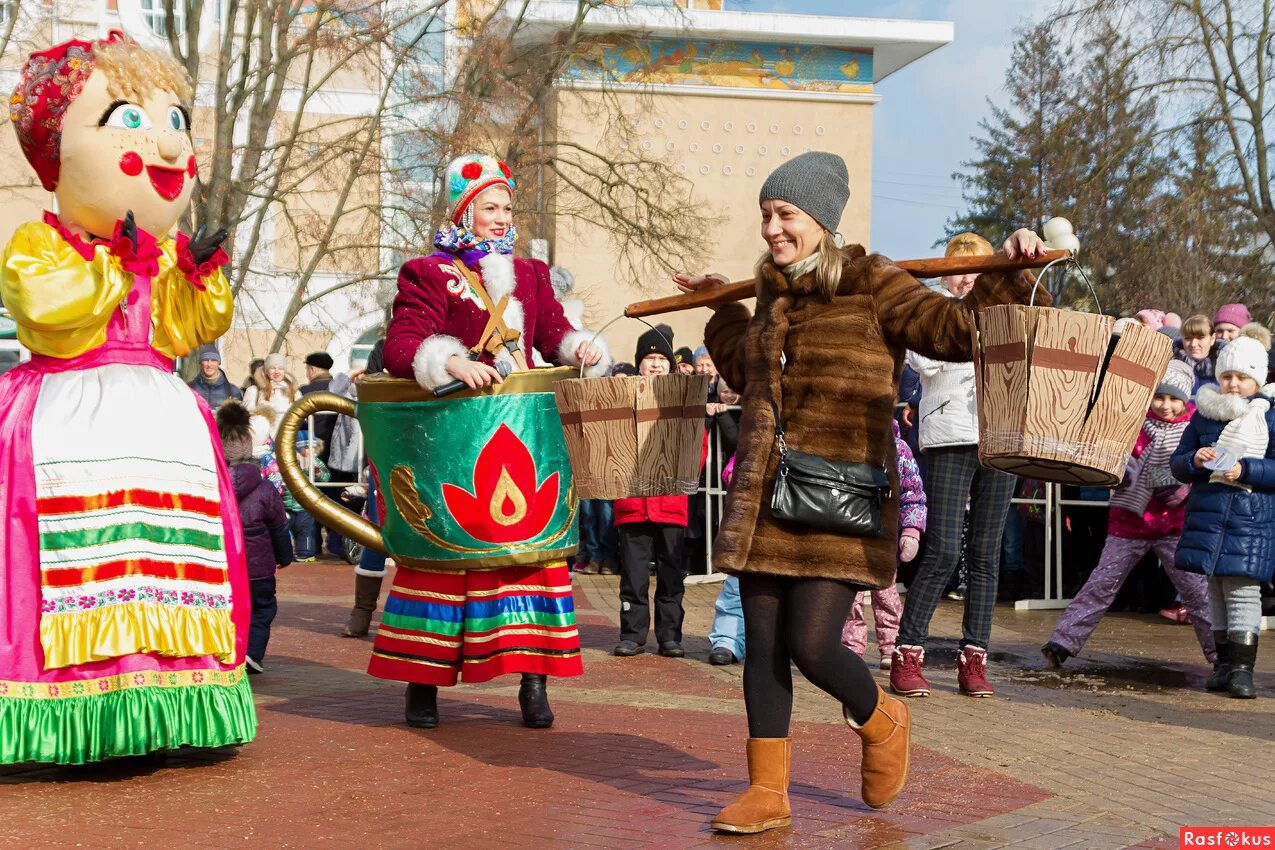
column 455, row 238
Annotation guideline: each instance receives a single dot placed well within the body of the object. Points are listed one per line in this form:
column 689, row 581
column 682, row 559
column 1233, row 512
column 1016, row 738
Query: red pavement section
column 333, row 766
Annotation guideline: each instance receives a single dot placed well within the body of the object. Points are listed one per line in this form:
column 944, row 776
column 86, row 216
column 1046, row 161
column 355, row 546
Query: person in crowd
column 517, row 618
column 1146, row 515
column 211, row 384
column 369, row 573
column 953, row 478
column 305, row 531
column 345, row 469
column 1227, row 455
column 272, row 386
column 887, row 606
column 599, row 542
column 318, row 373
column 726, row 637
column 805, row 362
column 1258, row 331
column 1151, row 318
column 684, row 358
column 652, row 528
column 704, row 363
column 1196, row 349
column 253, row 365
column 625, row 370
column 725, row 414
column 1229, row 320
column 265, row 527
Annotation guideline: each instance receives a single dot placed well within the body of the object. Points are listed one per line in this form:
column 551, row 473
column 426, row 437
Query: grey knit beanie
column 817, row 182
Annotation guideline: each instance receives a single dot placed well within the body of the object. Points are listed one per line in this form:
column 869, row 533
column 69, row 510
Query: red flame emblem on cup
column 506, row 505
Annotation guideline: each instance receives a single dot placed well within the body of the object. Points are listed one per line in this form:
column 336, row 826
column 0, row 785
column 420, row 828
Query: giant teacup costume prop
column 478, row 504
column 125, row 611
column 1061, row 394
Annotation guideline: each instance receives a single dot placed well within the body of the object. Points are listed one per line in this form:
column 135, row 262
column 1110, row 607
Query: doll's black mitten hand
column 128, row 229
column 204, row 245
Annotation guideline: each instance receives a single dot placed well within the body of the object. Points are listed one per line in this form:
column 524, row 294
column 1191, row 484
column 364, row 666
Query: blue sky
column 929, row 110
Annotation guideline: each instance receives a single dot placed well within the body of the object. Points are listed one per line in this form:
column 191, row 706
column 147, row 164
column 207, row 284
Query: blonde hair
column 968, row 245
column 827, row 270
column 1197, row 326
column 132, row 71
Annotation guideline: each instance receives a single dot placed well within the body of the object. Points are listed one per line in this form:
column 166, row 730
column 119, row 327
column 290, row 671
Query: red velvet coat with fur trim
column 437, row 314
column 844, row 358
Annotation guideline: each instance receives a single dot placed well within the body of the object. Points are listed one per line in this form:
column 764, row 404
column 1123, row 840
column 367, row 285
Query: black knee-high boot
column 534, row 702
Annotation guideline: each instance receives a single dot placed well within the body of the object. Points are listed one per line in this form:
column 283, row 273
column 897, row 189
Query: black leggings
column 798, row 619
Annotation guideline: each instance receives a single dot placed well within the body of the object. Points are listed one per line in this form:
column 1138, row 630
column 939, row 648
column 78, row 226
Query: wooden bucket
column 634, row 436
column 1061, row 397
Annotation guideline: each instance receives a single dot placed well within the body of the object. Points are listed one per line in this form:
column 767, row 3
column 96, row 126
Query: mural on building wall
column 725, row 63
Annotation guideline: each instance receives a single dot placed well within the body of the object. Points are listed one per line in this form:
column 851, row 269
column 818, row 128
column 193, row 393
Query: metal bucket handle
column 602, row 329
column 1070, row 261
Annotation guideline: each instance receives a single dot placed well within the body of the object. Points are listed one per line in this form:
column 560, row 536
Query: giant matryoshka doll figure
column 123, row 588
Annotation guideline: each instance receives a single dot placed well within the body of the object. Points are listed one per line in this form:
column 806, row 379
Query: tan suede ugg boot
column 765, row 804
column 886, row 739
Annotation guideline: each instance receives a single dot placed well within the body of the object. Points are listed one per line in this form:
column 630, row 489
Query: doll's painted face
column 119, row 155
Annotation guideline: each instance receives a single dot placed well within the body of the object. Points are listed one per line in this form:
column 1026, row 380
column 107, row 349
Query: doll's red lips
column 168, row 182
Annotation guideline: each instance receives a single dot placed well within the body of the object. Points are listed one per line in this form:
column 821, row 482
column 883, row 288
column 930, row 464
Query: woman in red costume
column 438, row 627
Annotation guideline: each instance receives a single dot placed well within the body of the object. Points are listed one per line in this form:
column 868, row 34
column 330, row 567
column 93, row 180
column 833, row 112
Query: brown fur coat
column 837, row 395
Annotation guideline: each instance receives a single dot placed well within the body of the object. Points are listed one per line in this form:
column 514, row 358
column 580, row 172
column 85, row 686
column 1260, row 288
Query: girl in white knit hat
column 1228, row 456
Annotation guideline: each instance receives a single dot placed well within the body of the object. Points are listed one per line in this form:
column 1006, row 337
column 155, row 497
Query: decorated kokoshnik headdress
column 465, row 179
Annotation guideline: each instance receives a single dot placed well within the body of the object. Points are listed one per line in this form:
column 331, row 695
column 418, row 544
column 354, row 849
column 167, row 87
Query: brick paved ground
column 1116, row 752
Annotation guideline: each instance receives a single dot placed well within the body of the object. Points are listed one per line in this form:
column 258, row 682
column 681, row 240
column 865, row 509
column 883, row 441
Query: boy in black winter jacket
column 265, row 526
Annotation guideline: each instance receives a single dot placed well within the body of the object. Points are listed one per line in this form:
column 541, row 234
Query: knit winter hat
column 1177, row 382
column 1235, row 314
column 1154, row 319
column 815, row 181
column 1244, row 355
column 275, row 361
column 659, row 341
column 208, row 352
column 683, row 355
column 236, row 432
column 467, row 176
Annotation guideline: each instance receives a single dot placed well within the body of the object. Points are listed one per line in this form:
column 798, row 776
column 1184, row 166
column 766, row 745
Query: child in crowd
column 1229, row 320
column 305, row 531
column 1147, row 512
column 1227, row 454
column 886, row 604
column 265, row 526
column 653, row 527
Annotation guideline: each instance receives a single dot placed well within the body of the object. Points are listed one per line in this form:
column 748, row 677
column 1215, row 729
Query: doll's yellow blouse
column 62, row 303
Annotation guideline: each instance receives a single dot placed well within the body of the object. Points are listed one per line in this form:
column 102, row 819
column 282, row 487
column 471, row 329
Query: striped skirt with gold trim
column 437, row 628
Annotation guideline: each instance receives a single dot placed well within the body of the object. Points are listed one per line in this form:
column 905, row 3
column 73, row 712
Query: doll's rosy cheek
column 190, row 167
column 131, row 164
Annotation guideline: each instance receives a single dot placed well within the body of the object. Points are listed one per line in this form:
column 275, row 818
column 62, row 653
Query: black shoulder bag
column 828, row 495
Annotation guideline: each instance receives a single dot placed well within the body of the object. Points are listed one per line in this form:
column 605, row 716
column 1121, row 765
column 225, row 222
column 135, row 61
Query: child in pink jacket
column 887, row 607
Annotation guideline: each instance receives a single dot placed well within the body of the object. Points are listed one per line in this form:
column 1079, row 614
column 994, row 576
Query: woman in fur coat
column 826, row 345
column 437, row 335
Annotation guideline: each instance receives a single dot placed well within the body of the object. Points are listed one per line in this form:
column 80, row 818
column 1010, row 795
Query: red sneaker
column 971, row 677
column 906, row 678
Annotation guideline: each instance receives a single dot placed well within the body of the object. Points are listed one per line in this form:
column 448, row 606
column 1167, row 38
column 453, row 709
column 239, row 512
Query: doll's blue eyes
column 177, row 119
column 129, row 117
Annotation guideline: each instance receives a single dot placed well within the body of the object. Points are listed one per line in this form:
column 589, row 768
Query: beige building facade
column 722, row 98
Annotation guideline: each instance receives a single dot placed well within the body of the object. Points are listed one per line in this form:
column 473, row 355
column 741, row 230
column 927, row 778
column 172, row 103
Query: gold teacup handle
column 327, row 512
